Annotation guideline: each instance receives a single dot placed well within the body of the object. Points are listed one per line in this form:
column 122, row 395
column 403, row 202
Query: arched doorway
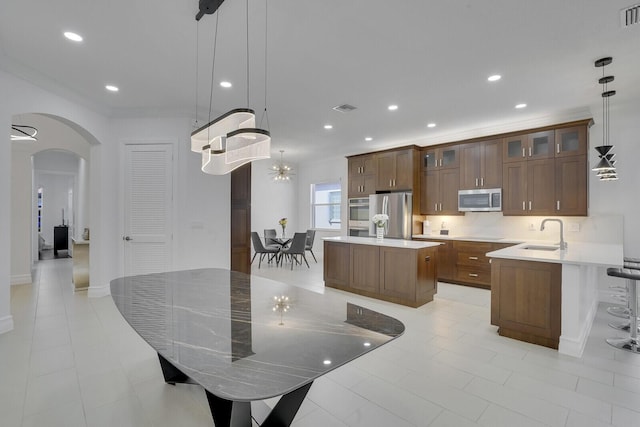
column 58, row 139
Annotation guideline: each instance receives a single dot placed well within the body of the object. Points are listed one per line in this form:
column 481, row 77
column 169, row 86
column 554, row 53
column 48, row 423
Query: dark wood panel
column 491, row 164
column 541, row 187
column 365, row 272
column 397, row 273
column 337, row 264
column 241, row 219
column 571, row 185
column 449, row 186
column 514, row 191
column 470, row 172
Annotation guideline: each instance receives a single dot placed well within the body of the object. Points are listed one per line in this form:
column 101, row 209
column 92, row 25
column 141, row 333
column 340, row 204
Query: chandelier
column 23, row 133
column 281, row 172
column 230, row 140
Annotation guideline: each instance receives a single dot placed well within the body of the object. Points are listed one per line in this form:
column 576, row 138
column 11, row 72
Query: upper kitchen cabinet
column 571, row 141
column 395, row 170
column 440, row 158
column 571, row 185
column 362, row 175
column 481, row 165
column 529, row 188
column 533, row 146
column 440, row 192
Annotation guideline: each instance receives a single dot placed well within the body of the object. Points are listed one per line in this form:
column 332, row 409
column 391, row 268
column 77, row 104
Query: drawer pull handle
column 473, row 275
column 427, row 258
column 473, row 258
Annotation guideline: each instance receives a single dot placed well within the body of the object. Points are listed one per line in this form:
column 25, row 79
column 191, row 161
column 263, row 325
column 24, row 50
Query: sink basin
column 540, row 248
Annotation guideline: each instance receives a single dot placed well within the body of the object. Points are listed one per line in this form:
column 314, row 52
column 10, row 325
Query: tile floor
column 73, row 361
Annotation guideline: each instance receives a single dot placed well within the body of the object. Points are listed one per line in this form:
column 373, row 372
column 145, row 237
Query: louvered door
column 148, row 192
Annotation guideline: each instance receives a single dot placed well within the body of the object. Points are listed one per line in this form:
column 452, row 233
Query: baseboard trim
column 98, row 291
column 575, row 346
column 21, row 279
column 6, row 324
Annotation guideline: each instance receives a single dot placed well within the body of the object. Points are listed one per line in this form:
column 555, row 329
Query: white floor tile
column 68, row 415
column 497, row 416
column 50, row 391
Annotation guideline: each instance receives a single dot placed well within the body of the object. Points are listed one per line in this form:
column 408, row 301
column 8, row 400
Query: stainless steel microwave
column 480, row 200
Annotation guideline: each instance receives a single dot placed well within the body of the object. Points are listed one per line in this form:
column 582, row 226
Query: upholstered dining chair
column 259, row 248
column 308, row 246
column 269, row 238
column 296, row 248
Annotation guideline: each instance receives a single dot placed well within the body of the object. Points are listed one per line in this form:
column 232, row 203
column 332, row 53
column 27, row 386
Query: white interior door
column 148, row 202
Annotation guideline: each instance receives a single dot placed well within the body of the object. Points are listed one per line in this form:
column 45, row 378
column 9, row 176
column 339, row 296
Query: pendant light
column 281, row 171
column 230, row 140
column 605, row 169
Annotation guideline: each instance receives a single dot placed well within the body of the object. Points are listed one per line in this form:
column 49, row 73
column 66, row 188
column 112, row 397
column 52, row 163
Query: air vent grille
column 345, row 108
column 630, row 16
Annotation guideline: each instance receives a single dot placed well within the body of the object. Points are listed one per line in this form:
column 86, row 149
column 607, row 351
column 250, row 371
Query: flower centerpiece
column 380, row 220
column 283, row 224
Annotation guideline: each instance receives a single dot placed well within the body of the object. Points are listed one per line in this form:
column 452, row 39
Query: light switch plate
column 574, row 226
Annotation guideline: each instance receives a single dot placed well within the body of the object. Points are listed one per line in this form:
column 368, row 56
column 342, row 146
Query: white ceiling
column 432, row 58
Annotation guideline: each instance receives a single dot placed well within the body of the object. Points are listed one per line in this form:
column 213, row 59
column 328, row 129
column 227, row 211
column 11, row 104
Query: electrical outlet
column 532, row 227
column 574, row 226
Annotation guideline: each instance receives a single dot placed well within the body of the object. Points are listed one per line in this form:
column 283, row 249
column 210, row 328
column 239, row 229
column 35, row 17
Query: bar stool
column 631, row 343
column 623, row 312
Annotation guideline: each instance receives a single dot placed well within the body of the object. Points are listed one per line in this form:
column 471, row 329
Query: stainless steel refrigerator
column 399, row 207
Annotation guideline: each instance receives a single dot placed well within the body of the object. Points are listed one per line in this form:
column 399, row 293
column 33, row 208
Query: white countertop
column 490, row 239
column 600, row 254
column 391, row 243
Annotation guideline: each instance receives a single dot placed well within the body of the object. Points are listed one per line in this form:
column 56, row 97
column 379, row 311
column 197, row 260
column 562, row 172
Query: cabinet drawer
column 478, row 276
column 473, row 259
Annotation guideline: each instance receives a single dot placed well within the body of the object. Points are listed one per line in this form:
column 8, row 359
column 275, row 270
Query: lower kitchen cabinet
column 405, row 276
column 526, row 299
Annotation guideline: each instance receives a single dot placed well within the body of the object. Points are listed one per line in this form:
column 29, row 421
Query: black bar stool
column 631, row 343
column 618, row 311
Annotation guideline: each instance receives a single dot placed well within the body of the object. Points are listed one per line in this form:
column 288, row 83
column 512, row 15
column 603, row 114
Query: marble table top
column 228, row 332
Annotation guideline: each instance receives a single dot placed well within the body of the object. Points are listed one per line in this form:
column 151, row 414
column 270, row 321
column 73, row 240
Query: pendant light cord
column 605, row 140
column 213, row 67
column 265, row 114
column 247, row 2
column 197, row 67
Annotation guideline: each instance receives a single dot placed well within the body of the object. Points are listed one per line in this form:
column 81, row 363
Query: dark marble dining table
column 245, row 338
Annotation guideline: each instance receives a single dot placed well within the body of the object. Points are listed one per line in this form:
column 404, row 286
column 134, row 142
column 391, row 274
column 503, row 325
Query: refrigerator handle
column 385, row 209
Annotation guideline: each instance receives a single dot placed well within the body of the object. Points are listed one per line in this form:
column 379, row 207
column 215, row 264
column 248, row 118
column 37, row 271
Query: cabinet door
column 449, row 186
column 514, row 148
column 514, row 191
column 470, row 166
column 365, row 271
column 491, row 164
column 448, row 157
column 446, row 260
column 403, row 170
column 336, row 263
column 368, row 164
column 571, row 141
column 571, row 185
column 355, row 186
column 430, row 192
column 397, row 272
column 541, row 187
column 541, row 145
column 386, row 167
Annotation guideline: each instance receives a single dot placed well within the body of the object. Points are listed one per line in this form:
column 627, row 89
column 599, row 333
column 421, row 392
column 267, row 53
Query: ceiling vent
column 630, row 16
column 345, row 108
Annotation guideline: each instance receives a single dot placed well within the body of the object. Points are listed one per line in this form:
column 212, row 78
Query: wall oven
column 359, row 217
column 481, row 200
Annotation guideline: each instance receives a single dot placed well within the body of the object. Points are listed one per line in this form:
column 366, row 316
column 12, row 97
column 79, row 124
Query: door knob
column 127, row 238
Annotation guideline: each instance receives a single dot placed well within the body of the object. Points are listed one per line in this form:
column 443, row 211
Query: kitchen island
column 547, row 296
column 395, row 270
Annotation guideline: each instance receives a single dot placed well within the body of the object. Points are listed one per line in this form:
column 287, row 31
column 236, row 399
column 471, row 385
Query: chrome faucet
column 563, row 244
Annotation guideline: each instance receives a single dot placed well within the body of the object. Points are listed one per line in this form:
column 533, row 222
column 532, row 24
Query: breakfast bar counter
column 548, row 296
column 395, row 270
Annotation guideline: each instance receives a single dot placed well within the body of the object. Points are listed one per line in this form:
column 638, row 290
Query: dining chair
column 259, row 248
column 296, row 248
column 308, row 246
column 269, row 238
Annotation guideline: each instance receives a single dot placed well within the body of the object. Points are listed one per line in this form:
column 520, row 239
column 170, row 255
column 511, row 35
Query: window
column 325, row 206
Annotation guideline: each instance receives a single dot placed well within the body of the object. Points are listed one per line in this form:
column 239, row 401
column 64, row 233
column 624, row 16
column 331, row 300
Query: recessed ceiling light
column 392, row 107
column 368, row 138
column 518, row 106
column 327, row 362
column 494, row 78
column 431, row 125
column 328, row 127
column 111, row 88
column 73, row 36
column 226, row 84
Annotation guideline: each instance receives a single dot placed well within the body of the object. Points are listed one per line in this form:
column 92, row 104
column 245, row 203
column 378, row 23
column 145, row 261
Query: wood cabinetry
column 395, row 170
column 446, row 260
column 532, row 146
column 440, row 157
column 472, row 265
column 440, row 192
column 526, row 300
column 362, row 175
column 571, row 141
column 481, row 165
column 571, row 185
column 400, row 275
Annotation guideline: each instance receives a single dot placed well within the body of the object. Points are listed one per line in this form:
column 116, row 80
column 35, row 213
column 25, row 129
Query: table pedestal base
column 238, row 414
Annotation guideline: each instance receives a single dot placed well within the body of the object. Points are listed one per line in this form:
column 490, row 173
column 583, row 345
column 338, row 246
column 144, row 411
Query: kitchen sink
column 540, row 248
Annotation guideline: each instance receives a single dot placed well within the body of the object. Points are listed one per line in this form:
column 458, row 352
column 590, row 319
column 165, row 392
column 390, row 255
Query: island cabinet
column 362, row 175
column 401, row 275
column 446, row 259
column 395, row 170
column 526, row 300
column 472, row 267
column 481, row 165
